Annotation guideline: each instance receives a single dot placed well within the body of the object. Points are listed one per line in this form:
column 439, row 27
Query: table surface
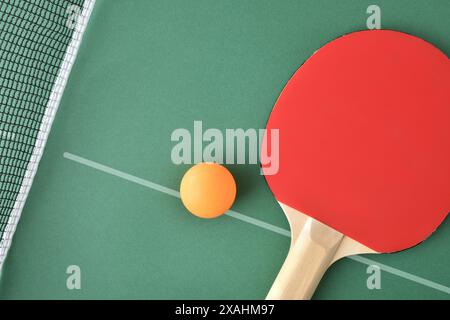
column 146, row 68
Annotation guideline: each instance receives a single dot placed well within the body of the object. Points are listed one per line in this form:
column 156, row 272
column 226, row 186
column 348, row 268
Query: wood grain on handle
column 311, row 253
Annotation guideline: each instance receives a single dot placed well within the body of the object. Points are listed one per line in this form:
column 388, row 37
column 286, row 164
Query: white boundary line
column 44, row 129
column 247, row 219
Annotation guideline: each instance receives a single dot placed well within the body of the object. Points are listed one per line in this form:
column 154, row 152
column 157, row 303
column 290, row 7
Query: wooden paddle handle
column 309, row 257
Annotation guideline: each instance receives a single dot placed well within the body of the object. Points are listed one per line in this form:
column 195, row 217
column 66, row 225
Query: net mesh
column 38, row 43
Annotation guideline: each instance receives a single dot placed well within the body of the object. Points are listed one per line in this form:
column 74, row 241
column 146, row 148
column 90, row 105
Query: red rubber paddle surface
column 364, row 127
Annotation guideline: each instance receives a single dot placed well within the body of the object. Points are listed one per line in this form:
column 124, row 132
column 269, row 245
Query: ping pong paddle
column 364, row 152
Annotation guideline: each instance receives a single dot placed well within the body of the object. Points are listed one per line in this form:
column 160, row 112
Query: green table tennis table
column 105, row 196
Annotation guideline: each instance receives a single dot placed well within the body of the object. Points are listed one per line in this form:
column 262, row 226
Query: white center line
column 247, row 219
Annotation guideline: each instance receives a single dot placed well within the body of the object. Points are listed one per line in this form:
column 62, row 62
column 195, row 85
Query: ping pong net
column 39, row 40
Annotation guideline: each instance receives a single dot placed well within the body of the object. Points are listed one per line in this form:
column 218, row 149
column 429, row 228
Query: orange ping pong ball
column 208, row 190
